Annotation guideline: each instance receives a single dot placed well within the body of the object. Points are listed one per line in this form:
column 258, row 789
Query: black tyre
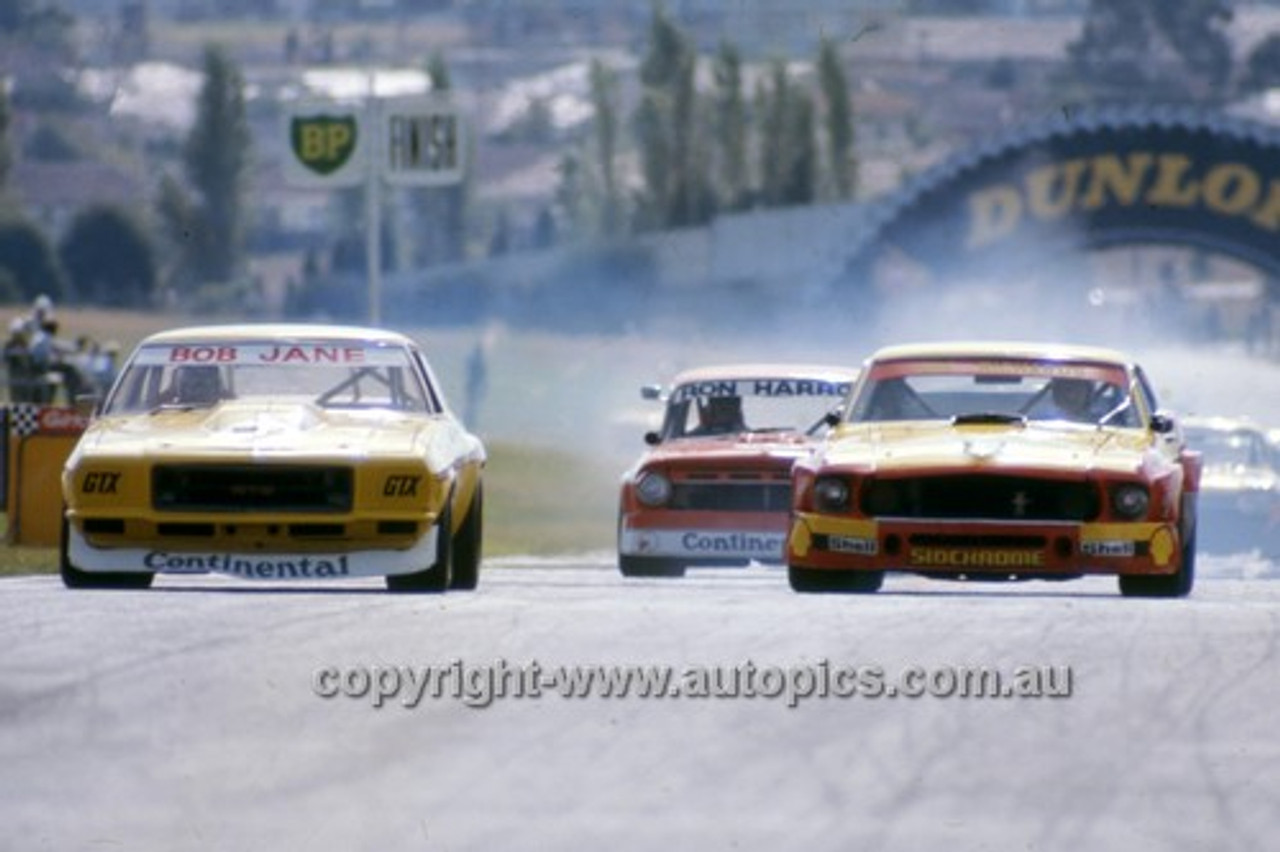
column 436, row 578
column 74, row 578
column 814, row 580
column 649, row 566
column 466, row 546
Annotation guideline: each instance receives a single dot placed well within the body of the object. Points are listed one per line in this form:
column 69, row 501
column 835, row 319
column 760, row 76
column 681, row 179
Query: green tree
column 800, row 178
column 108, row 258
column 6, row 143
column 1151, row 50
column 731, row 129
column 207, row 225
column 1262, row 67
column 27, row 255
column 676, row 188
column 773, row 97
column 604, row 94
column 842, row 166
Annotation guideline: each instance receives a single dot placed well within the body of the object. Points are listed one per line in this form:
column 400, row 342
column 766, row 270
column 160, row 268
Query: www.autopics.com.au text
column 480, row 686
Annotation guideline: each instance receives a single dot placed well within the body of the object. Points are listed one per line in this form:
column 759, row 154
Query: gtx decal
column 401, row 486
column 103, row 482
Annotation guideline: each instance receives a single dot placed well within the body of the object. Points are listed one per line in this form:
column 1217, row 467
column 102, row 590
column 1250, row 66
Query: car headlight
column 830, row 494
column 653, row 489
column 1130, row 501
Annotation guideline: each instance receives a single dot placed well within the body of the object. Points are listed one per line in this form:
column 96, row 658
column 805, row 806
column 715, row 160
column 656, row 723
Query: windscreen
column 350, row 375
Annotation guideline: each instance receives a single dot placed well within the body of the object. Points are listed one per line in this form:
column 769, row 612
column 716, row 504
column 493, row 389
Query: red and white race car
column 715, row 486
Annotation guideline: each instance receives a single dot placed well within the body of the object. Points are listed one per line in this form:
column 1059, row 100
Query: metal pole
column 373, row 202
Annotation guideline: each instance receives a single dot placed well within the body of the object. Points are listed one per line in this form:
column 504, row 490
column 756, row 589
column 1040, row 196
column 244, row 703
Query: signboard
column 327, row 145
column 423, row 142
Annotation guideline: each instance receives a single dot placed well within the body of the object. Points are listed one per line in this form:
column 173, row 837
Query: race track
column 190, row 717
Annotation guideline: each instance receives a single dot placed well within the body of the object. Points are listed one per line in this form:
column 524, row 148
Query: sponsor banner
column 761, row 387
column 254, row 565
column 54, row 420
column 975, row 557
column 1114, row 549
column 710, row 544
column 272, row 354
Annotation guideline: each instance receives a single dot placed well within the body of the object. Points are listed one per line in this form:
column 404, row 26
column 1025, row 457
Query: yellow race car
column 997, row 461
column 274, row 452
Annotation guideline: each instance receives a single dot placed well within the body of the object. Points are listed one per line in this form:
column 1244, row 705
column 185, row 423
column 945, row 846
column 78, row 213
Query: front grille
column 982, row 497
column 732, row 493
column 251, row 488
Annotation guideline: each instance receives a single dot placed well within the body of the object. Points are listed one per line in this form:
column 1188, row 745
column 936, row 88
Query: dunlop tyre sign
column 1119, row 178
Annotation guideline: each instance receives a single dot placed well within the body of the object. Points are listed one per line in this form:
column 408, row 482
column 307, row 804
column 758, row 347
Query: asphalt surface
column 191, row 716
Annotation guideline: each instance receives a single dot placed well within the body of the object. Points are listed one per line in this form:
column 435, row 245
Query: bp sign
column 323, row 143
column 326, row 145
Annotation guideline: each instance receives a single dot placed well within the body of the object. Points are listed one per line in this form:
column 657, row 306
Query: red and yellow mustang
column 998, row 461
column 715, row 486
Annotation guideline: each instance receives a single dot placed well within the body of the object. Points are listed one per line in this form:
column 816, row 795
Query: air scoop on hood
column 262, row 420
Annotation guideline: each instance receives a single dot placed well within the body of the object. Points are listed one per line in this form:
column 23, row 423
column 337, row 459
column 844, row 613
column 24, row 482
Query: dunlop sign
column 326, row 148
column 1213, row 187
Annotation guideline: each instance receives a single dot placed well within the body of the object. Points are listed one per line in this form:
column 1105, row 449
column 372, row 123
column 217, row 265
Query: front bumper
column 707, row 538
column 977, row 548
column 251, row 565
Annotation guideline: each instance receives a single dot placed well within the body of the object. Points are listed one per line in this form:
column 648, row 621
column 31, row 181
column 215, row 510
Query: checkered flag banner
column 24, row 418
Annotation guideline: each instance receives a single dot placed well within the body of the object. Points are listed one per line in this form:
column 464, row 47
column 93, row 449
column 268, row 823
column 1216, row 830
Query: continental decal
column 249, row 567
column 958, row 557
column 1140, row 179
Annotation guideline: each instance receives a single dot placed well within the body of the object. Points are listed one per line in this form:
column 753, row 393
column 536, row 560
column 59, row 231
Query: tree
column 108, row 258
column 28, row 257
column 676, row 188
column 842, row 166
column 1152, row 50
column 206, row 221
column 6, row 144
column 772, row 99
column 604, row 93
column 1262, row 68
column 731, row 129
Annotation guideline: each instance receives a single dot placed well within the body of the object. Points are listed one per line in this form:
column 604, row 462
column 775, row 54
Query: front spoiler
column 696, row 543
column 977, row 548
column 253, row 565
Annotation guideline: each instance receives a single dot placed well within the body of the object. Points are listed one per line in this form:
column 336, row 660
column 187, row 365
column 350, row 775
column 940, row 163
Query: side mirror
column 652, row 392
column 832, row 417
column 652, row 438
column 1162, row 424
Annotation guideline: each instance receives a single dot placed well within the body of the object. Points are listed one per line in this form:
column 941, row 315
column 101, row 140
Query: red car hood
column 750, row 449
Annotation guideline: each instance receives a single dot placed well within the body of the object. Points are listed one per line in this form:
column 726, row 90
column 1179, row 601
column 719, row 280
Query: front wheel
column 1175, row 585
column 435, row 578
column 466, row 546
column 649, row 566
column 74, row 578
column 814, row 580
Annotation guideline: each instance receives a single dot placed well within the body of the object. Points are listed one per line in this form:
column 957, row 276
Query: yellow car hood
column 275, row 430
column 943, row 446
